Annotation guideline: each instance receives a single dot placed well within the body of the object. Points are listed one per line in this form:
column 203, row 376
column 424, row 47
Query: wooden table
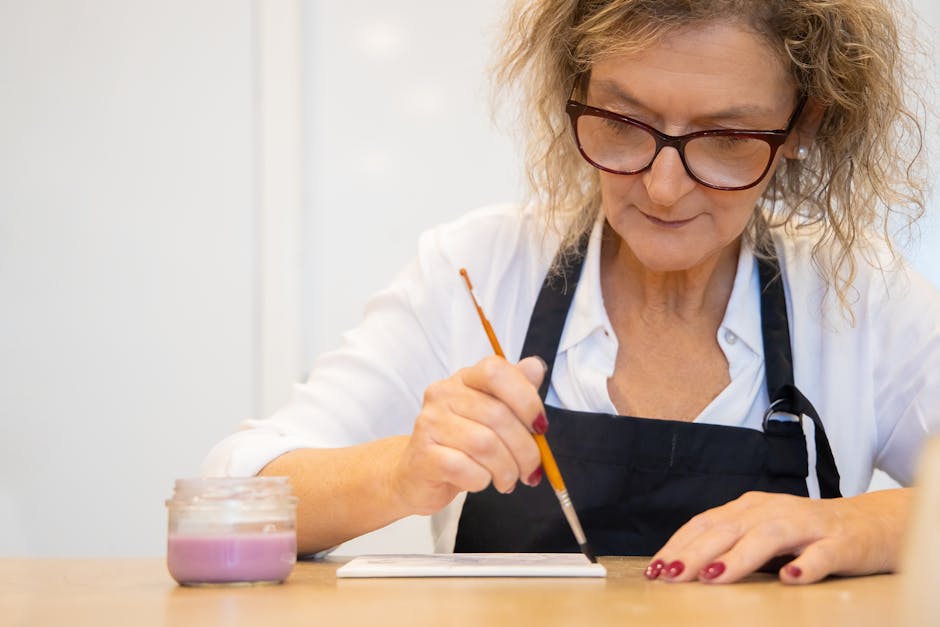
column 139, row 593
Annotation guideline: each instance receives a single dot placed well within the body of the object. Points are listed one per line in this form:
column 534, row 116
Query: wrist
column 389, row 480
column 888, row 511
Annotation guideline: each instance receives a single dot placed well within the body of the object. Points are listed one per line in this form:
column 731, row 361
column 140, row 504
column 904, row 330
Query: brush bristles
column 586, row 549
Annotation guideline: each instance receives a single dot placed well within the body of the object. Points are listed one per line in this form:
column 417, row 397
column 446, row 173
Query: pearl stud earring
column 801, row 153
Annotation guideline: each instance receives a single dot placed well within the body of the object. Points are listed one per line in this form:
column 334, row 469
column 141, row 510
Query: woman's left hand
column 857, row 535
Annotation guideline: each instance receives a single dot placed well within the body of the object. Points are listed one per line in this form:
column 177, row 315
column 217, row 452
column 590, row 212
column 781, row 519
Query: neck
column 696, row 294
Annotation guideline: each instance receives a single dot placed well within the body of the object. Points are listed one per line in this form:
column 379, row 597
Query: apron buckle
column 779, row 415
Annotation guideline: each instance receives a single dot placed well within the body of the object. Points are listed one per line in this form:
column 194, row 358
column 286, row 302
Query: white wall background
column 127, row 261
column 397, row 139
column 147, row 205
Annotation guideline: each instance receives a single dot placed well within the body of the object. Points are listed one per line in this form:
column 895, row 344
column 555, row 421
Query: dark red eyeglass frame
column 774, row 139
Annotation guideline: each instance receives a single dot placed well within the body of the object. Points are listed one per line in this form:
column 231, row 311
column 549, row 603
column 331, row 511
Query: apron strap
column 775, row 327
column 551, row 310
column 785, row 397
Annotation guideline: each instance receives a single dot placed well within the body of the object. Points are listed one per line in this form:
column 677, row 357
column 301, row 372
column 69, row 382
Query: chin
column 674, row 257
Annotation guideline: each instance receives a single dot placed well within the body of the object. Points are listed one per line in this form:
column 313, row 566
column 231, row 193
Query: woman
column 711, row 331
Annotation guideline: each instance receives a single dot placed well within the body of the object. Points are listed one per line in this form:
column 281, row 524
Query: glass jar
column 232, row 530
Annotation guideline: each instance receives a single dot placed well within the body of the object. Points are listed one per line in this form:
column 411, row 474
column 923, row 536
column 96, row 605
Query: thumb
column 534, row 369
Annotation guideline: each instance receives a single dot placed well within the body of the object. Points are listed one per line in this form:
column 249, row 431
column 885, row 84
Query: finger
column 687, row 544
column 703, row 553
column 761, row 542
column 497, row 416
column 818, row 560
column 534, row 369
column 458, row 469
column 705, row 537
column 508, row 383
column 481, row 444
column 703, row 544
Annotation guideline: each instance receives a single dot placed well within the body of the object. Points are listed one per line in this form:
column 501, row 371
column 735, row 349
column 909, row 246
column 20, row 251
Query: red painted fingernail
column 713, row 570
column 654, row 569
column 793, row 571
column 675, row 569
column 536, row 477
column 540, row 425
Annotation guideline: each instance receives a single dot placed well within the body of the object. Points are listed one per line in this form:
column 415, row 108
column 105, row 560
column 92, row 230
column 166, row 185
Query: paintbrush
column 548, row 460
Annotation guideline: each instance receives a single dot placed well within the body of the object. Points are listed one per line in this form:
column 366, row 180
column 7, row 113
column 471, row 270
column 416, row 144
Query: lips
column 668, row 224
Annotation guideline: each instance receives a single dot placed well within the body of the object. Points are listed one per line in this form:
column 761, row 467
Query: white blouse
column 875, row 384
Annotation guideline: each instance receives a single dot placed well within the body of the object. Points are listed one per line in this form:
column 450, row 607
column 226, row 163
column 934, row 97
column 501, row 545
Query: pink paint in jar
column 231, row 530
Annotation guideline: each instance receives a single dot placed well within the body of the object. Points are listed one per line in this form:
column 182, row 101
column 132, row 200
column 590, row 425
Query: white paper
column 473, row 565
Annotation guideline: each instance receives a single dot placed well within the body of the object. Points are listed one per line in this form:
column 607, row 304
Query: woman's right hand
column 474, row 428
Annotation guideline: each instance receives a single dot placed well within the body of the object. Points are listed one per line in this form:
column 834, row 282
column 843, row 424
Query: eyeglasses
column 728, row 160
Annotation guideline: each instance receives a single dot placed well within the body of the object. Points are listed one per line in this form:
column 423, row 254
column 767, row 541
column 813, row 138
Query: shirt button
column 730, row 337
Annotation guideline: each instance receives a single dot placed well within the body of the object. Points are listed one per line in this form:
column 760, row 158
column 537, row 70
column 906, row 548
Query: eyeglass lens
column 721, row 161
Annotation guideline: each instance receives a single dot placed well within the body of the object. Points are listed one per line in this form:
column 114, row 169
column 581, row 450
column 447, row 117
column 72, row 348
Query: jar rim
column 214, row 489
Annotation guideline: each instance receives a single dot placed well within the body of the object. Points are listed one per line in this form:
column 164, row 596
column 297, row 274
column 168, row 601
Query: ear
column 804, row 133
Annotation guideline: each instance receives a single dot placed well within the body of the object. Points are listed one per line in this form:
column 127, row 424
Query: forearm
column 342, row 493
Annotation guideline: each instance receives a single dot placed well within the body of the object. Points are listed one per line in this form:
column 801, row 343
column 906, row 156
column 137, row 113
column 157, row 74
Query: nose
column 666, row 180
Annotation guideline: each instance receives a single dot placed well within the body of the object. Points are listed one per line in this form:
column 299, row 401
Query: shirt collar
column 587, row 314
column 742, row 315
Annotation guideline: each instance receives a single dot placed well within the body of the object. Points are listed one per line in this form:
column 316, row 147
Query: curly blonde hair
column 864, row 174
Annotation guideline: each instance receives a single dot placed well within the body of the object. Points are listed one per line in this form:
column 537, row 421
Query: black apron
column 635, row 481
